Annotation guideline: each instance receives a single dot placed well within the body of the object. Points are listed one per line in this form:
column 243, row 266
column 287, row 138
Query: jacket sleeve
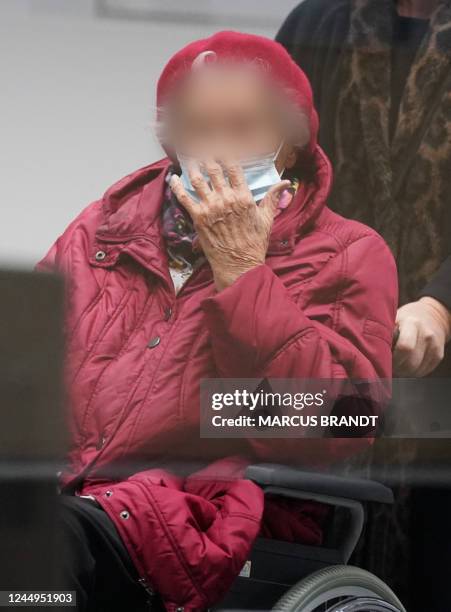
column 258, row 330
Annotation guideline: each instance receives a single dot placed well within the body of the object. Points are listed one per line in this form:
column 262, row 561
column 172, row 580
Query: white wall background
column 76, row 107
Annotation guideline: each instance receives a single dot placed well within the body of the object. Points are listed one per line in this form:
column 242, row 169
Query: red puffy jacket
column 322, row 306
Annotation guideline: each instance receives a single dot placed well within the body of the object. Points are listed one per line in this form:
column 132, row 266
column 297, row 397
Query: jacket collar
column 131, row 219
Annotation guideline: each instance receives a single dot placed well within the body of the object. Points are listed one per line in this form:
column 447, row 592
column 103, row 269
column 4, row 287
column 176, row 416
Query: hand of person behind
column 424, row 328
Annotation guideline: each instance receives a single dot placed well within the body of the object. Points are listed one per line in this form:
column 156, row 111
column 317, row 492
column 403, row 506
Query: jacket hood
column 131, row 207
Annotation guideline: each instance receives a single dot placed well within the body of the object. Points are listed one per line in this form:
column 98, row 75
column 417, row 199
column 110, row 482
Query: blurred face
column 228, row 111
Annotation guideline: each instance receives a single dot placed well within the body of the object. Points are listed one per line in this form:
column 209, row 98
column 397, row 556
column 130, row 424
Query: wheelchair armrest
column 358, row 489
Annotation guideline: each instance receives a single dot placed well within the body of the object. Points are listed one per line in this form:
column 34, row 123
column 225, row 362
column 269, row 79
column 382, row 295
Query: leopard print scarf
column 401, row 187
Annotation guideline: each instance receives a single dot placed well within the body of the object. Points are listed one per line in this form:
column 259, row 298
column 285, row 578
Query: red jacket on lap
column 322, row 306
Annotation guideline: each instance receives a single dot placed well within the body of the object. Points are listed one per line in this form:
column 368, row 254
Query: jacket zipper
column 150, row 592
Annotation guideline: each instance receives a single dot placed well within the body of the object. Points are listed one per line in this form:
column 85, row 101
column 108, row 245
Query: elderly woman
column 202, row 265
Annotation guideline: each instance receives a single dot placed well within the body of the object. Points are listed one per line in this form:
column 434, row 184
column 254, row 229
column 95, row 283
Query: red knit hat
column 237, row 46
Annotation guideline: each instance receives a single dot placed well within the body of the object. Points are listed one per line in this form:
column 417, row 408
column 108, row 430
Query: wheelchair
column 289, row 577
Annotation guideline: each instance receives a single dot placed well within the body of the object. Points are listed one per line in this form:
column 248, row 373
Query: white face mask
column 260, row 174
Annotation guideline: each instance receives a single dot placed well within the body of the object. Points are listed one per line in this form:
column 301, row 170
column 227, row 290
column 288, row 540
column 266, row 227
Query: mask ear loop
column 276, row 155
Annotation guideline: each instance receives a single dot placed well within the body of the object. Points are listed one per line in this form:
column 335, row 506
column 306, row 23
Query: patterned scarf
column 178, row 231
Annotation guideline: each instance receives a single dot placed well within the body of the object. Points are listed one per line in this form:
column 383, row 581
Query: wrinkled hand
column 232, row 230
column 424, row 329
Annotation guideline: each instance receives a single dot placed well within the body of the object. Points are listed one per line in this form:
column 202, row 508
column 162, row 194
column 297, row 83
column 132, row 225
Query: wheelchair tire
column 356, row 590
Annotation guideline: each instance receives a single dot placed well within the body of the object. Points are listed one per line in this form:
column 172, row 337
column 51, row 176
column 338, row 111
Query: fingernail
column 285, row 199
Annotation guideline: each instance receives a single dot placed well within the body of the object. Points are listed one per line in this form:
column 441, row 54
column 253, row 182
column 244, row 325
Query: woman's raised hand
column 232, row 230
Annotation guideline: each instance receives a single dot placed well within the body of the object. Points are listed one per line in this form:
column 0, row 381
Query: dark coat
column 399, row 186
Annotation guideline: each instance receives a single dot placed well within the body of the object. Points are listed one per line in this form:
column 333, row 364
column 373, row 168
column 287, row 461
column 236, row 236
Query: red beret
column 247, row 47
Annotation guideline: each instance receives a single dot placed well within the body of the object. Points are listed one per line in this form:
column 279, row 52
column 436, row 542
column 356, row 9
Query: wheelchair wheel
column 340, row 588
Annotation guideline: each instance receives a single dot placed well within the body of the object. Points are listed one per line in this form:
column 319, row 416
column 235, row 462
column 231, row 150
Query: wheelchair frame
column 269, row 556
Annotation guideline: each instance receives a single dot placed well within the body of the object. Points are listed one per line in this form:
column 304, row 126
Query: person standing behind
column 381, row 75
